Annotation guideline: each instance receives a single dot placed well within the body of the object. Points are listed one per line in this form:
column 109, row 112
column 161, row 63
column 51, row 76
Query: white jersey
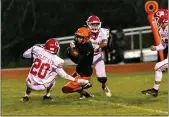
column 164, row 38
column 102, row 35
column 44, row 64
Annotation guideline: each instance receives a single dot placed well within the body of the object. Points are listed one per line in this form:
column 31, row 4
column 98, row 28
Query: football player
column 161, row 17
column 46, row 66
column 99, row 38
column 81, row 52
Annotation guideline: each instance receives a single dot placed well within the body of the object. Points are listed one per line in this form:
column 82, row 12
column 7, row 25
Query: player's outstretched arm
column 64, row 75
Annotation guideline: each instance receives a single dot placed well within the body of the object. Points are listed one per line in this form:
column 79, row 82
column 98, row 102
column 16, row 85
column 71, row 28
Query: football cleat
column 25, row 99
column 48, row 98
column 153, row 92
column 107, row 91
column 86, row 96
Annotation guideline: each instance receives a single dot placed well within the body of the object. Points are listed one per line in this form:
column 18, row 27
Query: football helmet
column 52, row 46
column 161, row 16
column 83, row 33
column 94, row 23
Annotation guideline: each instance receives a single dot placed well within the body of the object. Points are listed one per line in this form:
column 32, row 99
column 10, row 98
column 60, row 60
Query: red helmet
column 52, row 46
column 161, row 16
column 94, row 23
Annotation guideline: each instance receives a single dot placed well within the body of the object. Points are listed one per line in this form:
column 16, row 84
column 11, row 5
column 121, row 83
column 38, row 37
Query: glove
column 72, row 44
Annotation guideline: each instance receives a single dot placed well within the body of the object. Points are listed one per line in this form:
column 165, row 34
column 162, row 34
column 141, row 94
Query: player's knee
column 156, row 68
column 102, row 79
column 65, row 90
column 89, row 85
column 159, row 67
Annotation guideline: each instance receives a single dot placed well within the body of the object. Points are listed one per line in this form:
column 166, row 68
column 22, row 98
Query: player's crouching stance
column 81, row 53
column 46, row 66
column 161, row 17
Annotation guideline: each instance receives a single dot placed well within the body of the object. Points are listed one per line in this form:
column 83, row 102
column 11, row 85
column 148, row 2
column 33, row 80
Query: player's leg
column 74, row 86
column 27, row 93
column 159, row 68
column 101, row 73
column 48, row 91
column 49, row 86
column 84, row 94
column 31, row 86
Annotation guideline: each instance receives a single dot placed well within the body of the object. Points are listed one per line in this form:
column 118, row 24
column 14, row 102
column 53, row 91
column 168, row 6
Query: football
column 73, row 51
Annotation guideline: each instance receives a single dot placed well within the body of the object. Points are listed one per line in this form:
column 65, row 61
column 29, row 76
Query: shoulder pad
column 58, row 61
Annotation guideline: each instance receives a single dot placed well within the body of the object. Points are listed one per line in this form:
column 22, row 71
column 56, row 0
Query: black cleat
column 86, row 96
column 25, row 99
column 48, row 98
column 152, row 92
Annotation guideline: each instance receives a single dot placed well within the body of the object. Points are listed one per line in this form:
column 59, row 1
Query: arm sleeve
column 28, row 53
column 161, row 46
column 64, row 75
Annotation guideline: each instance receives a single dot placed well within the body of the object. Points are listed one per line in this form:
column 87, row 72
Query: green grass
column 126, row 98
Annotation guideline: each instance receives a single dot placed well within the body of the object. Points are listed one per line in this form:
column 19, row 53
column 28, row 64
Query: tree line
column 26, row 22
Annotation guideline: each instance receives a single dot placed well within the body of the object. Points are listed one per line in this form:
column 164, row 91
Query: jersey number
column 43, row 68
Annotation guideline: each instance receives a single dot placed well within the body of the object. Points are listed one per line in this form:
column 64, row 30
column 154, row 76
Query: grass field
column 126, row 98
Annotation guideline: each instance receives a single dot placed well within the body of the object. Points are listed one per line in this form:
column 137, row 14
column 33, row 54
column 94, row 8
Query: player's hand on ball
column 73, row 51
column 153, row 48
column 72, row 44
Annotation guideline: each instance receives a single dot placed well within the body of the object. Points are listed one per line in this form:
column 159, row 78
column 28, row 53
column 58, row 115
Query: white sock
column 156, row 86
column 26, row 95
column 158, row 76
column 48, row 94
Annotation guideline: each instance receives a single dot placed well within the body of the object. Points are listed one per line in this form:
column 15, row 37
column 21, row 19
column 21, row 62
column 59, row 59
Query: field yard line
column 132, row 107
column 117, row 104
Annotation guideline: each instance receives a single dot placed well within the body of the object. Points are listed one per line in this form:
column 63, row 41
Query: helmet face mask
column 82, row 35
column 94, row 23
column 94, row 27
column 52, row 46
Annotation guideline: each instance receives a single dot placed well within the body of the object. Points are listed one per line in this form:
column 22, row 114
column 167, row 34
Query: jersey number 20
column 43, row 68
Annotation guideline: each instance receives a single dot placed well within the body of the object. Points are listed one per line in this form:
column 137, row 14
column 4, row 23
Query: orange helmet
column 84, row 33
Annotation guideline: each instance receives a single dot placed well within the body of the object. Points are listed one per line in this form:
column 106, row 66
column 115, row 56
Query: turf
column 126, row 99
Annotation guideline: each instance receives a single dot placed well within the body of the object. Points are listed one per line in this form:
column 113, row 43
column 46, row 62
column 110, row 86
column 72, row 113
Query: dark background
column 27, row 22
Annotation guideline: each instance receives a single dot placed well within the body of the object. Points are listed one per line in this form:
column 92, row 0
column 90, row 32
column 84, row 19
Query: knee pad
column 102, row 79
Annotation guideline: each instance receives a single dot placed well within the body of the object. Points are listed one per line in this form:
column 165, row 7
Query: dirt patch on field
column 140, row 67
